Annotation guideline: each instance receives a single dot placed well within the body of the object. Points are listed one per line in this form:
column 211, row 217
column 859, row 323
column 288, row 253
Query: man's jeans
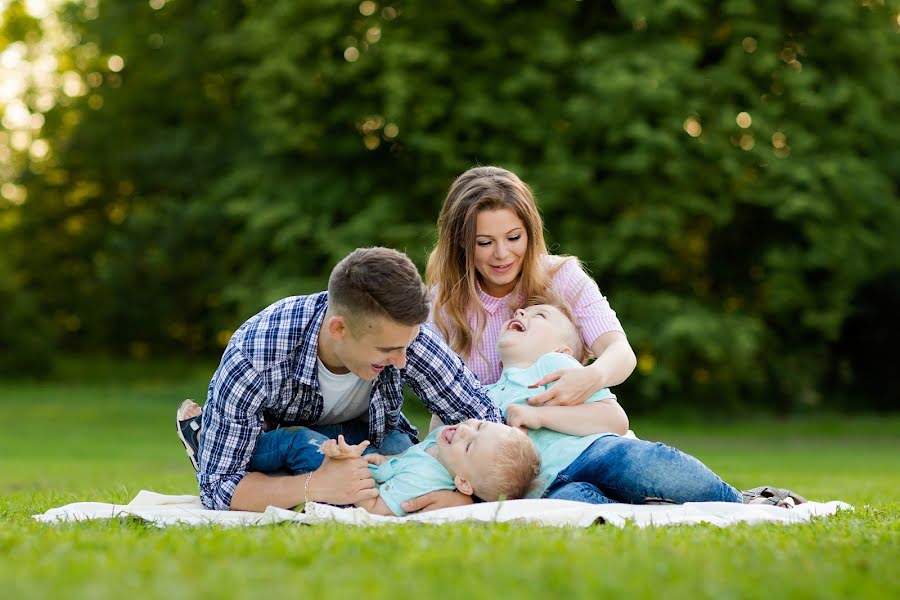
column 296, row 449
column 626, row 470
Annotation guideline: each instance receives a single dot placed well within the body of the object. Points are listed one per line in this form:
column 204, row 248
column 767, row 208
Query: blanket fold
column 164, row 510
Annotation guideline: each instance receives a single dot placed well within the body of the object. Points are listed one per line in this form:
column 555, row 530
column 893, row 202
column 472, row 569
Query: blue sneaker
column 189, row 432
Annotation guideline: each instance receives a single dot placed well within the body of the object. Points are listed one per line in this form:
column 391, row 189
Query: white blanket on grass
column 163, row 510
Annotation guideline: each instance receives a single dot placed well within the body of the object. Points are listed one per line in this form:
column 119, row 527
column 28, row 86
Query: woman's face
column 500, row 245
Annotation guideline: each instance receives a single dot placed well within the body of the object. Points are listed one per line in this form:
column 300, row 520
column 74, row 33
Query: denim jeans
column 296, row 449
column 617, row 469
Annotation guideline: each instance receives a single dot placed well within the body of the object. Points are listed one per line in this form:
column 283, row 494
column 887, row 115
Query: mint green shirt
column 412, row 474
column 557, row 450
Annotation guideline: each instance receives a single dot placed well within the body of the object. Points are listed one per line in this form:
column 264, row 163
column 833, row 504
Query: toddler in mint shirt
column 557, row 450
column 537, row 341
column 490, row 460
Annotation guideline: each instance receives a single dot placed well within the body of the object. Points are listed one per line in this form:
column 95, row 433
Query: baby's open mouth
column 516, row 325
column 448, row 434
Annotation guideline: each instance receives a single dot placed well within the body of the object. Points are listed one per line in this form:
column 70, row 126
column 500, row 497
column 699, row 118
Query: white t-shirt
column 346, row 397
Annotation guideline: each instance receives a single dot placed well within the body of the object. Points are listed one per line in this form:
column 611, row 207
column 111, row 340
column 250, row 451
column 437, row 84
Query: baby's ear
column 463, row 485
column 565, row 350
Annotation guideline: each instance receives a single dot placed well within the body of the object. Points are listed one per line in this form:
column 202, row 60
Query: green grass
column 104, row 430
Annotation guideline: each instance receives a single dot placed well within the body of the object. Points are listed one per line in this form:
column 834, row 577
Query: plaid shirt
column 269, row 368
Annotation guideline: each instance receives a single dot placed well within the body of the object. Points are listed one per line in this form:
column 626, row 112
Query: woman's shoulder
column 565, row 272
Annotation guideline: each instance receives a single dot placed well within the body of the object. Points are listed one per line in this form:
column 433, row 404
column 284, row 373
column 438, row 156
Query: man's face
column 366, row 346
column 535, row 331
column 468, row 450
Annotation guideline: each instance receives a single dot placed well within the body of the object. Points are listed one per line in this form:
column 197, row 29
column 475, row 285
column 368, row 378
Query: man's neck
column 325, row 350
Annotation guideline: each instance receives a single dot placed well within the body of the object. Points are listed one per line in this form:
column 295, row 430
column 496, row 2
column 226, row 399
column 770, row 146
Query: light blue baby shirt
column 412, row 474
column 557, row 450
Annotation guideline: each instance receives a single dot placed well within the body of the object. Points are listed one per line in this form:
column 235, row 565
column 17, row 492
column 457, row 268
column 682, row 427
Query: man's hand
column 341, row 450
column 435, row 500
column 342, row 481
column 573, row 386
column 376, row 459
column 523, row 416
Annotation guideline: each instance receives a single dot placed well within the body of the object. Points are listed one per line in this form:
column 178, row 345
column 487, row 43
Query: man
column 334, row 362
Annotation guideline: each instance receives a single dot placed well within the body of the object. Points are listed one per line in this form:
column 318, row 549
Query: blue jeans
column 296, row 449
column 616, row 469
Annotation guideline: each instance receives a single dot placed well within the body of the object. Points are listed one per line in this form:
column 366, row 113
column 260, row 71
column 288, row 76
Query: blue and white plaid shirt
column 269, row 367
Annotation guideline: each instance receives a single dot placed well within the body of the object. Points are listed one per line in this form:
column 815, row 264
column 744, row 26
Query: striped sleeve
column 592, row 311
column 230, row 429
column 444, row 384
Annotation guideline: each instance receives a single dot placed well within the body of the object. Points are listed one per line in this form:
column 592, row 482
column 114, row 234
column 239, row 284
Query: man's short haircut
column 378, row 282
column 516, row 466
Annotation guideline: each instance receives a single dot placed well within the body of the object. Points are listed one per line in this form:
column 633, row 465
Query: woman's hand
column 573, row 386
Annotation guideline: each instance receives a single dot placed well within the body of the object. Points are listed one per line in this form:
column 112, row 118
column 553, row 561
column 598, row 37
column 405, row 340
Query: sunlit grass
column 103, row 432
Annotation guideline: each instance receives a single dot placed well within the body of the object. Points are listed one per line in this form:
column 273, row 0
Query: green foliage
column 728, row 171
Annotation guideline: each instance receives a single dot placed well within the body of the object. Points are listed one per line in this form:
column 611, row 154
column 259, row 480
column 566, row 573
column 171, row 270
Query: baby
column 489, row 460
column 584, row 455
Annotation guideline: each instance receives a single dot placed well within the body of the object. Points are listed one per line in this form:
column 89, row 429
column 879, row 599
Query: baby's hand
column 376, row 459
column 339, row 449
column 523, row 416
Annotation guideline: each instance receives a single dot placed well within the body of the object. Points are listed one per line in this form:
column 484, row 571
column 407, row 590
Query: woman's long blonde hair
column 451, row 272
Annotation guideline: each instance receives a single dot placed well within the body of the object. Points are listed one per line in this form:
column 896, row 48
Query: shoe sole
column 179, row 419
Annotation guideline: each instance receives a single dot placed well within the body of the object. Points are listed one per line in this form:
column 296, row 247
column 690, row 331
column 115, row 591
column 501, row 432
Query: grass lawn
column 103, row 431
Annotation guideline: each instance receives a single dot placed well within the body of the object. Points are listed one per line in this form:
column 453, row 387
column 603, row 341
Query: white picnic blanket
column 163, row 510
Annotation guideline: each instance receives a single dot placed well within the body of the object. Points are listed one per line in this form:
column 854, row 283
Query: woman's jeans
column 626, row 470
column 296, row 449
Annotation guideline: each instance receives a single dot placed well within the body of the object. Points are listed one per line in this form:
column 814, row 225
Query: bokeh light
column 692, row 127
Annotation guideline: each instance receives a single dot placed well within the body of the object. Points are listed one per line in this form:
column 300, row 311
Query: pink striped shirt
column 593, row 315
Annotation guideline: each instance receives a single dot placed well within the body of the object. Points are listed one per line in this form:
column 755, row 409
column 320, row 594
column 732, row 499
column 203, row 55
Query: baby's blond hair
column 516, row 465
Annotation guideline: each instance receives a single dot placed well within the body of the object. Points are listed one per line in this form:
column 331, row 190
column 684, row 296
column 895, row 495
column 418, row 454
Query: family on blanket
column 306, row 402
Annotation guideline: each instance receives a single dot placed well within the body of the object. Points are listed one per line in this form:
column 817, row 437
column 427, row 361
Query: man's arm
column 444, row 384
column 346, row 481
column 231, row 427
column 605, row 416
column 376, row 506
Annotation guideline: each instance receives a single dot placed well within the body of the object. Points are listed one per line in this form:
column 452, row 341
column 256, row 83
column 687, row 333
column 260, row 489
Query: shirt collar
column 306, row 369
column 491, row 303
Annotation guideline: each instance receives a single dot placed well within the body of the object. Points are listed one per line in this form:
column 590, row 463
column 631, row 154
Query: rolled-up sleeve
column 231, row 425
column 447, row 387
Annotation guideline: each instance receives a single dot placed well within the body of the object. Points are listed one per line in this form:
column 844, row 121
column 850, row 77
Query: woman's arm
column 435, row 423
column 615, row 359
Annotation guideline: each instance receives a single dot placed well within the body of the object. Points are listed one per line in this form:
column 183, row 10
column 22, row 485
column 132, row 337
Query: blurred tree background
column 727, row 170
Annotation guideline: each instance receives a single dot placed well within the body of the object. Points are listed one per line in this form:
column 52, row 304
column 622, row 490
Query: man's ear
column 463, row 485
column 337, row 327
column 565, row 350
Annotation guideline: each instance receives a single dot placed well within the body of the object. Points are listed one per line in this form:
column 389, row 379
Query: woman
column 489, row 258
